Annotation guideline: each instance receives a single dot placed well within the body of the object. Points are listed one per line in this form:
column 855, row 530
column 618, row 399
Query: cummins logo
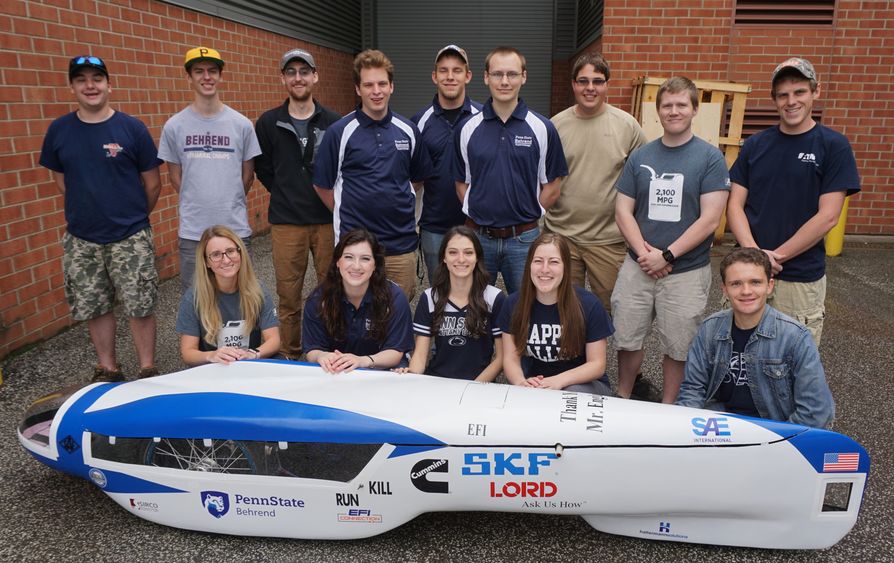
column 420, row 475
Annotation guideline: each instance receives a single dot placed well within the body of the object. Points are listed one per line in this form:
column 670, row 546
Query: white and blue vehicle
column 265, row 448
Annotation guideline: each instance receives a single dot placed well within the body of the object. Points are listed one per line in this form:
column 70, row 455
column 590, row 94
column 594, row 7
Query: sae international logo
column 216, row 503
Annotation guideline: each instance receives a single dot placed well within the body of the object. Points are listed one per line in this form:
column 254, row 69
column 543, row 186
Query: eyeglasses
column 511, row 75
column 303, row 71
column 232, row 253
column 583, row 82
column 83, row 59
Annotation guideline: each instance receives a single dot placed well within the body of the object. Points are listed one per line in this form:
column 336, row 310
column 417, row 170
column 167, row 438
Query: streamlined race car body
column 270, row 448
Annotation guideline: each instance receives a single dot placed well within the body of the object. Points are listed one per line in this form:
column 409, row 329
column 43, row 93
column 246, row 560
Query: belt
column 501, row 232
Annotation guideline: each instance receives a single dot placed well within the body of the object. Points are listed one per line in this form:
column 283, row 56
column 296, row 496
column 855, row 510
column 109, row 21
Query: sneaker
column 101, row 374
column 147, row 372
column 644, row 390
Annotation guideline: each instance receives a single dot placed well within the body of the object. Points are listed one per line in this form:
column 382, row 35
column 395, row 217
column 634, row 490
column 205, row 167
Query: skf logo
column 530, row 489
column 112, row 149
column 419, row 475
column 216, row 503
column 506, row 464
column 808, row 157
column 716, row 426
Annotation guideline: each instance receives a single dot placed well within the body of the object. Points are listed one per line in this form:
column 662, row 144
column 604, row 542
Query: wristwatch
column 668, row 256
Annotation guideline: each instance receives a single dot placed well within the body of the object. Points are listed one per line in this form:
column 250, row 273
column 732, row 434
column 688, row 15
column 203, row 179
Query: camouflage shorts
column 96, row 273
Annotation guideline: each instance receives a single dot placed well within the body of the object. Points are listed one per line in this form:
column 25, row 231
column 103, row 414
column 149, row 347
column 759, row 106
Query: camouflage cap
column 803, row 66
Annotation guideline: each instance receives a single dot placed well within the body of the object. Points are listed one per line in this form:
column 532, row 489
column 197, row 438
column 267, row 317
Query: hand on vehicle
column 228, row 354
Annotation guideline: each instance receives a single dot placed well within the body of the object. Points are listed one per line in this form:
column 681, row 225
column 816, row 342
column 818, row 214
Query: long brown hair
column 251, row 297
column 333, row 290
column 476, row 318
column 571, row 315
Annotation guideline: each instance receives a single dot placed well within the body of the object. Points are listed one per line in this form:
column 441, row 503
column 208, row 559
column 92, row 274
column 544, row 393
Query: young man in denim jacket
column 753, row 360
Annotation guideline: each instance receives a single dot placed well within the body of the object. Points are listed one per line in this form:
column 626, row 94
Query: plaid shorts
column 95, row 274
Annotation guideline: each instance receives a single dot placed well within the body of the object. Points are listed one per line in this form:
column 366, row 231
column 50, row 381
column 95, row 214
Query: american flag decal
column 840, row 462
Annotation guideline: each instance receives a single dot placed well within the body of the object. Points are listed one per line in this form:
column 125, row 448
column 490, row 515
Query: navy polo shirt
column 358, row 341
column 505, row 164
column 371, row 166
column 441, row 208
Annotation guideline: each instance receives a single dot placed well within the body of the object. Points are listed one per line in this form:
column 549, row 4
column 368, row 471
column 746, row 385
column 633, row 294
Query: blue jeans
column 430, row 243
column 507, row 256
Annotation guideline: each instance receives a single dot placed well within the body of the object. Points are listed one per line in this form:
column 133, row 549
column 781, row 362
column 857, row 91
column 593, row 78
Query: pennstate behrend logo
column 112, row 149
column 216, row 503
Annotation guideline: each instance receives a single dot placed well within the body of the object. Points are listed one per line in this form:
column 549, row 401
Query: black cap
column 86, row 61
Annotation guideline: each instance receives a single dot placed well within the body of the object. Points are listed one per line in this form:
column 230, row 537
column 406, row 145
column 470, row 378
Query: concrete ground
column 46, row 515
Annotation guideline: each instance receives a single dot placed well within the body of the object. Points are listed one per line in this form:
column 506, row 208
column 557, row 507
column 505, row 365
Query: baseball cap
column 803, row 66
column 202, row 54
column 453, row 49
column 297, row 54
column 86, row 61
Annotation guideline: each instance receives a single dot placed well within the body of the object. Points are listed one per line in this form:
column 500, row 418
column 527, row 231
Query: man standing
column 106, row 165
column 789, row 184
column 370, row 166
column 289, row 136
column 671, row 195
column 440, row 207
column 209, row 149
column 597, row 139
column 508, row 166
column 753, row 360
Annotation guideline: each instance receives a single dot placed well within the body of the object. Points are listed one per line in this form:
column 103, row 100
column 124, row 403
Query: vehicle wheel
column 222, row 456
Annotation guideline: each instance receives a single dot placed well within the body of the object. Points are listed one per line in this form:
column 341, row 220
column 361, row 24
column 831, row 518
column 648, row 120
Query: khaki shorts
column 803, row 301
column 95, row 274
column 676, row 303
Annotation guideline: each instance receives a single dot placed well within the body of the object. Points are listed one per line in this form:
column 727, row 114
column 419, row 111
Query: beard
column 300, row 98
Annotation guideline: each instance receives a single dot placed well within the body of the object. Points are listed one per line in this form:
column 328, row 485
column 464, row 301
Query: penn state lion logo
column 216, row 503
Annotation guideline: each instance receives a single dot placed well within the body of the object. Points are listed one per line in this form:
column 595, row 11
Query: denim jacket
column 785, row 376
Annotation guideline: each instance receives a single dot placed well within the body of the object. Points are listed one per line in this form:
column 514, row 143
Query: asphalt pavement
column 46, row 515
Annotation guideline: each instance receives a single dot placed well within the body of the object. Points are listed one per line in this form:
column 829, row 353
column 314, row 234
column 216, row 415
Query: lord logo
column 216, row 503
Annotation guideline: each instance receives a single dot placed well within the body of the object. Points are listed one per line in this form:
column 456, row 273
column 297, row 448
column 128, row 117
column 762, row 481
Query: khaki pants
column 291, row 246
column 803, row 301
column 401, row 269
column 600, row 266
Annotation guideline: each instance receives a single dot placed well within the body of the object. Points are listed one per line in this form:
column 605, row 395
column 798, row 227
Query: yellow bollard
column 835, row 237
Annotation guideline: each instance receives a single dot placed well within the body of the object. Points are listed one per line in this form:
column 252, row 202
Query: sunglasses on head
column 84, row 59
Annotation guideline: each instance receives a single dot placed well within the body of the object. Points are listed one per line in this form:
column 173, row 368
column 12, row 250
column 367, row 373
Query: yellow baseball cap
column 202, row 54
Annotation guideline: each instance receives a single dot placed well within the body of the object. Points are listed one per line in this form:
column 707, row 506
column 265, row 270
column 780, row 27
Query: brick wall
column 143, row 43
column 853, row 58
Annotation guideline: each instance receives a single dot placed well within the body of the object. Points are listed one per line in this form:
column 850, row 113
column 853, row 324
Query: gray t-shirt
column 210, row 152
column 667, row 184
column 233, row 332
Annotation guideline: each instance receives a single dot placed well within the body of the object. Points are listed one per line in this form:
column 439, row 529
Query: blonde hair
column 251, row 297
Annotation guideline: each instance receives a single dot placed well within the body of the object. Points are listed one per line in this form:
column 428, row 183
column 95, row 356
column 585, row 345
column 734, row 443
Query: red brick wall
column 854, row 59
column 143, row 43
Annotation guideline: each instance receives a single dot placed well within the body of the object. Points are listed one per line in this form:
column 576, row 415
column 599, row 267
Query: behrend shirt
column 233, row 331
column 210, row 152
column 505, row 165
column 667, row 184
column 785, row 176
column 545, row 332
column 105, row 200
column 457, row 353
column 358, row 341
column 441, row 208
column 371, row 166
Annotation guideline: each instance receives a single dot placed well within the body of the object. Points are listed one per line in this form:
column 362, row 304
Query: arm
column 511, row 362
column 264, row 162
column 270, row 342
column 191, row 355
column 592, row 369
column 738, row 224
column 152, row 185
column 815, row 229
column 461, row 188
column 495, row 366
column 59, row 178
column 248, row 174
column 712, row 205
column 694, row 389
column 549, row 193
column 175, row 175
column 814, row 406
column 624, row 207
column 419, row 357
column 326, row 196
